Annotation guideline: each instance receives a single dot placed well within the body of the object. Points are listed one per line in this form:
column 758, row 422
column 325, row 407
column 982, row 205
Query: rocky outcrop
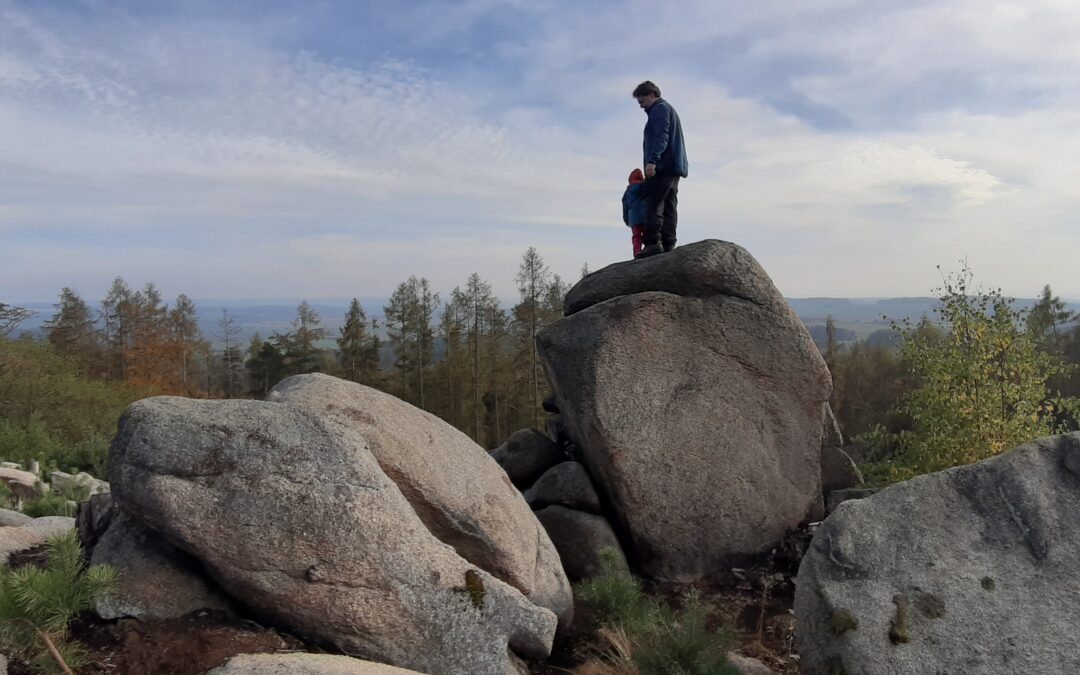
column 968, row 570
column 303, row 664
column 694, row 396
column 580, row 538
column 452, row 484
column 526, row 455
column 297, row 513
column 566, row 484
column 154, row 580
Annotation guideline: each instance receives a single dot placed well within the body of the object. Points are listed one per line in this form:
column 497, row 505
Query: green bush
column 37, row 605
column 34, row 440
column 662, row 641
column 51, row 412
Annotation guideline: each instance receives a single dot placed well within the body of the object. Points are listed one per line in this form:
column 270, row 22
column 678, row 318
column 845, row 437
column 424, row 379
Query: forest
column 979, row 375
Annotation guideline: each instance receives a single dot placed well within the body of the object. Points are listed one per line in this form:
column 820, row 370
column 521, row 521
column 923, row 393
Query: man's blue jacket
column 664, row 145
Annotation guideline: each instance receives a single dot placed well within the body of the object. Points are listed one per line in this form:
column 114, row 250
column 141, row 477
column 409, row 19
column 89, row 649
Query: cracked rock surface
column 292, row 515
column 968, row 570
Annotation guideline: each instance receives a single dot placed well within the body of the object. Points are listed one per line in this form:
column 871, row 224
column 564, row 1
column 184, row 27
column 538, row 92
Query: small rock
column 9, row 518
column 303, row 664
column 50, row 525
column 526, row 455
column 747, row 665
column 23, row 484
column 579, row 538
column 551, row 403
column 566, row 484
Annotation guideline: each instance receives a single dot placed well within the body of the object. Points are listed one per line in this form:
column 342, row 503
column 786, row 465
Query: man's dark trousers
column 661, row 197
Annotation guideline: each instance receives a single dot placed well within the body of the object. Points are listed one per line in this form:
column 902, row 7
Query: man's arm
column 657, row 136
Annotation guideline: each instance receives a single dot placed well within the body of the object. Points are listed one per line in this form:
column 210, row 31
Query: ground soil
column 188, row 646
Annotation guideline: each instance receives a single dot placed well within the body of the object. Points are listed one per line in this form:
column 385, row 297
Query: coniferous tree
column 300, row 347
column 149, row 350
column 358, row 351
column 232, row 361
column 533, row 282
column 115, row 327
column 72, row 333
column 408, row 314
column 265, row 364
column 454, row 365
column 477, row 302
column 187, row 343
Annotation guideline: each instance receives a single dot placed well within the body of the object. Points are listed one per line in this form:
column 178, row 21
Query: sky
column 274, row 149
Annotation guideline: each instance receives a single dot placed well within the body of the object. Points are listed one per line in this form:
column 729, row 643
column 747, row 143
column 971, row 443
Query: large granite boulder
column 968, row 570
column 694, row 395
column 154, row 579
column 452, row 484
column 290, row 512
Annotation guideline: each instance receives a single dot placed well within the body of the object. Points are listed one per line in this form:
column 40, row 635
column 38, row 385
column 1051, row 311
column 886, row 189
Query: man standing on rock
column 665, row 164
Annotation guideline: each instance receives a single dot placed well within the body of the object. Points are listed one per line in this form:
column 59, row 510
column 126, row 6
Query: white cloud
column 147, row 138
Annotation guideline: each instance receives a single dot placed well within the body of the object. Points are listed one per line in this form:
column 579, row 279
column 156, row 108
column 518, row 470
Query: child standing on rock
column 633, row 208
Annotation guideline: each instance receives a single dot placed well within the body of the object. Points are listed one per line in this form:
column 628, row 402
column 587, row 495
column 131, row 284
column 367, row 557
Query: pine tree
column 149, row 352
column 409, row 313
column 301, row 346
column 115, row 327
column 232, row 360
column 533, row 282
column 72, row 333
column 358, row 351
column 477, row 301
column 187, row 342
column 265, row 364
column 452, row 329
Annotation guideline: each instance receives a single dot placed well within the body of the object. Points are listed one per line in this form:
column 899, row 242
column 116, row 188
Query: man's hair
column 646, row 88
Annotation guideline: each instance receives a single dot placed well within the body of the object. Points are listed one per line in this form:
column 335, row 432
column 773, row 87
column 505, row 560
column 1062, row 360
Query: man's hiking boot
column 649, row 251
column 668, row 248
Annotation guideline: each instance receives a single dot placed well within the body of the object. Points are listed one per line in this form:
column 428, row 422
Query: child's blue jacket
column 633, row 206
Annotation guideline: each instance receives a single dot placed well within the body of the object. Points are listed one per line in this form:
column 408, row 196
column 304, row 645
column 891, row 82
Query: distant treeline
column 465, row 356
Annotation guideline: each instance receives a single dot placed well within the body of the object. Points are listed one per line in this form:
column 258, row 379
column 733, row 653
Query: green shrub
column 37, row 605
column 661, row 641
column 681, row 644
column 34, row 440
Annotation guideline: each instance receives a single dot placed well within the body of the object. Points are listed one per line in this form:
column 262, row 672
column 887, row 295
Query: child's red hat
column 636, row 176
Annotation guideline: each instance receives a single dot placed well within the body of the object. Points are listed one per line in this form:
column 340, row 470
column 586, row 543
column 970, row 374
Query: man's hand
column 650, row 170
